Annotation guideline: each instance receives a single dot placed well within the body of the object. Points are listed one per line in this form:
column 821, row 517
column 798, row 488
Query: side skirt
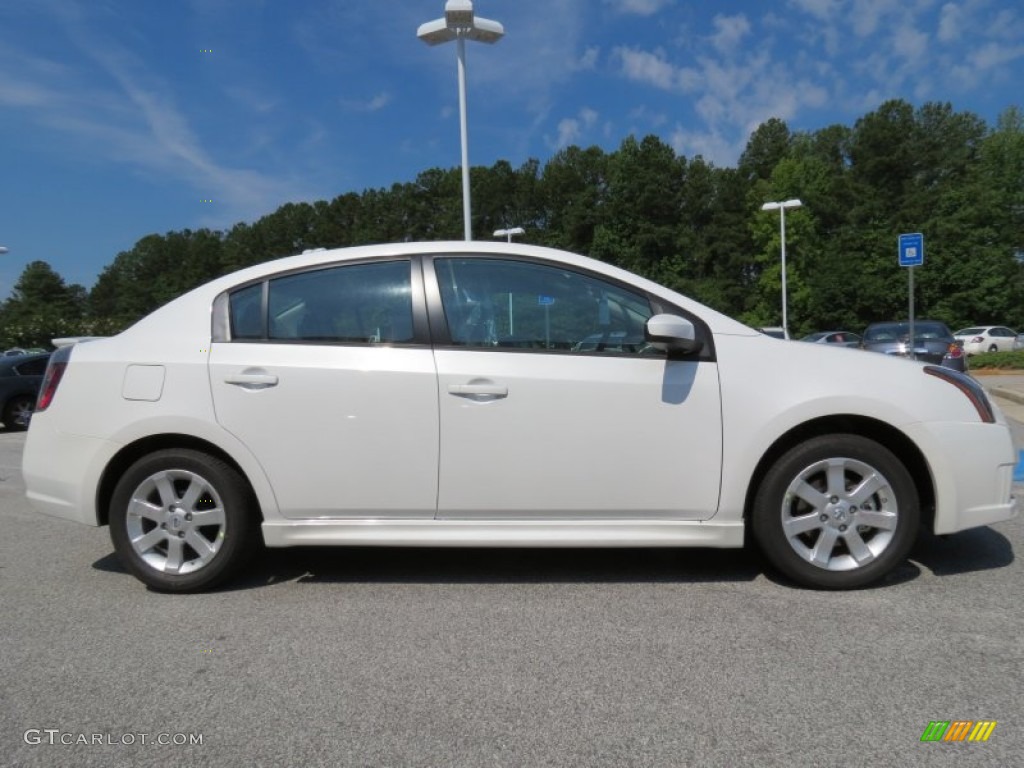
column 504, row 533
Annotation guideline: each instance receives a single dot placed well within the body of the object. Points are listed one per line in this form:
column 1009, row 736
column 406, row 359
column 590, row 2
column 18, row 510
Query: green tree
column 41, row 307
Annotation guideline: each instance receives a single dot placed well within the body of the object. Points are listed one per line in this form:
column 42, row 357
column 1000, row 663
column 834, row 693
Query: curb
column 1007, row 394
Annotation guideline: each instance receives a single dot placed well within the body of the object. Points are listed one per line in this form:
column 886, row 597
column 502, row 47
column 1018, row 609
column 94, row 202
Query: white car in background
column 986, row 338
column 484, row 394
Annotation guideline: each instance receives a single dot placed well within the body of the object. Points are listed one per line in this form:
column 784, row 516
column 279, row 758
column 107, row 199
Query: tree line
column 682, row 222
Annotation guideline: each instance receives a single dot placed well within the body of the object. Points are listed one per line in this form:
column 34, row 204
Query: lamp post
column 781, row 207
column 461, row 24
column 509, row 233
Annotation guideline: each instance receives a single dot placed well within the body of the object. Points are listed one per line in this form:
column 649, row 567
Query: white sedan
column 986, row 338
column 487, row 394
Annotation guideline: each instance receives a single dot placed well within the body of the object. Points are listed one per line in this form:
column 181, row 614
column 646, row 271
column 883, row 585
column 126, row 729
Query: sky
column 122, row 118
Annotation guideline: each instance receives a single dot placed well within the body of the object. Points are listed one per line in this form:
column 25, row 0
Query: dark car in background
column 933, row 342
column 20, row 377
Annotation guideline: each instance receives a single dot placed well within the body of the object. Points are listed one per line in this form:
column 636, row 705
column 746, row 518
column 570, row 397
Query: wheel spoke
column 202, row 547
column 203, row 517
column 836, row 477
column 142, row 508
column 175, row 555
column 165, row 488
column 794, row 526
column 869, row 486
column 147, row 541
column 880, row 519
column 858, row 548
column 810, row 494
column 196, row 488
column 822, row 551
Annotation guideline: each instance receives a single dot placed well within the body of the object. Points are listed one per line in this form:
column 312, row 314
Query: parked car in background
column 986, row 338
column 18, row 351
column 491, row 394
column 1018, row 343
column 933, row 343
column 20, row 377
column 842, row 338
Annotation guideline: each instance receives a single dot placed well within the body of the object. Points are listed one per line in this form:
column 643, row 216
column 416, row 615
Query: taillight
column 954, row 351
column 977, row 340
column 54, row 373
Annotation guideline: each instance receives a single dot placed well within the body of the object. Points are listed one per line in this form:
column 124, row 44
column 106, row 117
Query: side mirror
column 672, row 333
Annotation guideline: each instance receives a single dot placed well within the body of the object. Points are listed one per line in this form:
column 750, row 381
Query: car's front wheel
column 836, row 512
column 182, row 520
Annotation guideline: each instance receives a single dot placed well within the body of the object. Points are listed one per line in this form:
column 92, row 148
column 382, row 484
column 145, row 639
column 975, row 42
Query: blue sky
column 121, row 118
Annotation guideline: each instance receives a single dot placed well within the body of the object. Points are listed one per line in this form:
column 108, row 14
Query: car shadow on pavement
column 978, row 549
column 436, row 565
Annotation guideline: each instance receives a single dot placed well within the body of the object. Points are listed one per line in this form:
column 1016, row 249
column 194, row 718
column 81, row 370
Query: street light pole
column 459, row 24
column 781, row 206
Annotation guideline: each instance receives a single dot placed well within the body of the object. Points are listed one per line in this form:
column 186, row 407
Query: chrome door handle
column 478, row 390
column 252, row 380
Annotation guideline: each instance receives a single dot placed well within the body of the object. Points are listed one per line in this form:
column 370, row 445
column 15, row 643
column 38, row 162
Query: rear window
column 897, row 331
column 32, row 367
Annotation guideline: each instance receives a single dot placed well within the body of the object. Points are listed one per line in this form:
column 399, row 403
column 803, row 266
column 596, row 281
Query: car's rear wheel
column 18, row 411
column 993, row 348
column 182, row 520
column 836, row 512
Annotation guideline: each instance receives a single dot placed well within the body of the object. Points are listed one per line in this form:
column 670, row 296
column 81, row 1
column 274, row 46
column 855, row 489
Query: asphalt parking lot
column 390, row 657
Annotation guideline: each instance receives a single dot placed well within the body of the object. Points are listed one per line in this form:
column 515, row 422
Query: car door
column 327, row 377
column 553, row 405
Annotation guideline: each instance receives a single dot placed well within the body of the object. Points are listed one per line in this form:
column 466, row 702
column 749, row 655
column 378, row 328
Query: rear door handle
column 252, row 379
column 490, row 391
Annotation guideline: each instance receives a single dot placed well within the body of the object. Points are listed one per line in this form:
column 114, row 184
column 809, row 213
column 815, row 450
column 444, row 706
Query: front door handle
column 480, row 391
column 252, row 379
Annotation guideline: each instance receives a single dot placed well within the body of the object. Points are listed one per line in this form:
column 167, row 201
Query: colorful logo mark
column 958, row 730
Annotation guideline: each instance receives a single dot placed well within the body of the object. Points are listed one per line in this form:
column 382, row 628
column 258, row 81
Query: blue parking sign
column 911, row 250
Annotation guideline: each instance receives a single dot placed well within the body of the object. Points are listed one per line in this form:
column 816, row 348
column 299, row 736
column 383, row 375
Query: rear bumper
column 62, row 471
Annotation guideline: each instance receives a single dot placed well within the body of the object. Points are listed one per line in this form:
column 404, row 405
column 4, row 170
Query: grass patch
column 1002, row 361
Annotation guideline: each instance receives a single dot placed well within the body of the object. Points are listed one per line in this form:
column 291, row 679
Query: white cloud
column 588, row 61
column 374, row 104
column 572, row 129
column 648, row 67
column 111, row 107
column 911, row 45
column 729, row 32
column 992, row 55
column 950, row 22
column 867, row 15
column 824, row 10
column 710, row 145
column 639, row 7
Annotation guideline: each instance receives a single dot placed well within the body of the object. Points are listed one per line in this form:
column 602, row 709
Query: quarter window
column 525, row 305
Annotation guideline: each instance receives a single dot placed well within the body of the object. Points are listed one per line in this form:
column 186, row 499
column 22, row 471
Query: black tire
column 815, row 521
column 18, row 411
column 993, row 348
column 166, row 547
